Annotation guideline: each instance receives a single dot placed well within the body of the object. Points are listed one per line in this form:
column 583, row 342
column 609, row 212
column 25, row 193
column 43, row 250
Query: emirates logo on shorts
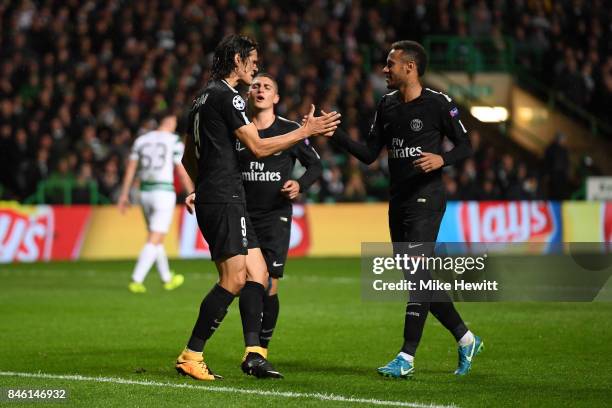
column 416, row 125
column 238, row 102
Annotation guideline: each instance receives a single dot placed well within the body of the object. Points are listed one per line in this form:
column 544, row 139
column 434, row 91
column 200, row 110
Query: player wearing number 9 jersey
column 153, row 158
column 216, row 121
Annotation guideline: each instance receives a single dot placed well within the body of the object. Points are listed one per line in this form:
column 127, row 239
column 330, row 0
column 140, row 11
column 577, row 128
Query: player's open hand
column 123, row 203
column 428, row 162
column 330, row 133
column 190, row 203
column 291, row 189
column 321, row 125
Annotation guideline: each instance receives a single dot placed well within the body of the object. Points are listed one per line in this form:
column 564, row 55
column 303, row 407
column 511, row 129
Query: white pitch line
column 230, row 390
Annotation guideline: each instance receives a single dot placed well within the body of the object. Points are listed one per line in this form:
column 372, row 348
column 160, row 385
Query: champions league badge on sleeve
column 238, row 102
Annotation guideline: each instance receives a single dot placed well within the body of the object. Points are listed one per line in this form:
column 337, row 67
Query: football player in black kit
column 269, row 190
column 411, row 123
column 217, row 119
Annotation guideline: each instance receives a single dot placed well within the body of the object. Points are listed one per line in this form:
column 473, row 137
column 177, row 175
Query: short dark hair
column 270, row 77
column 223, row 60
column 162, row 114
column 415, row 51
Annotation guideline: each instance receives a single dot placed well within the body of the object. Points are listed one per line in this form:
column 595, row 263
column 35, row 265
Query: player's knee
column 235, row 281
column 156, row 238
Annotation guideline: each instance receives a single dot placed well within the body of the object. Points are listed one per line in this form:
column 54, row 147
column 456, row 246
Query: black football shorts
column 414, row 230
column 273, row 231
column 226, row 228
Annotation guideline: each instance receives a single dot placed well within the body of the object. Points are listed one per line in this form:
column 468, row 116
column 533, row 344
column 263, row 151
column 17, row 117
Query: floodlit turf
column 70, row 319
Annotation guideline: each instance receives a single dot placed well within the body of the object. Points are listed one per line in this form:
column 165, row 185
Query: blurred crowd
column 80, row 79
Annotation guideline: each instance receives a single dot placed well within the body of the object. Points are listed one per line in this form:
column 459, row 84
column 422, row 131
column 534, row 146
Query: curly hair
column 223, row 60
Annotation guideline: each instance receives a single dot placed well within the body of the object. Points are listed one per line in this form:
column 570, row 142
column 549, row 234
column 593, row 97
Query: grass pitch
column 75, row 326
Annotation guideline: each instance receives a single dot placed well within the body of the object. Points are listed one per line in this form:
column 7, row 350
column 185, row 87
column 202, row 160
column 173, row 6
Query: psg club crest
column 238, row 102
column 416, row 125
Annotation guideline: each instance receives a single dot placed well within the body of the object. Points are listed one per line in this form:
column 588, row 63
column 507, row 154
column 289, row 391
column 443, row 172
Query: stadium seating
column 79, row 81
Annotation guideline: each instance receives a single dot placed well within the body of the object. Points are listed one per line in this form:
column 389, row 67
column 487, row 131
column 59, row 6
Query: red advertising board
column 41, row 233
column 607, row 221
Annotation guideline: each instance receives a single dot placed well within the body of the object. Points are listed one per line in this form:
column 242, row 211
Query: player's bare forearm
column 128, row 177
column 185, row 178
column 268, row 146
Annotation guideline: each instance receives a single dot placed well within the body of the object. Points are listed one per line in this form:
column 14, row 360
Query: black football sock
column 446, row 313
column 212, row 311
column 251, row 311
column 414, row 322
column 270, row 316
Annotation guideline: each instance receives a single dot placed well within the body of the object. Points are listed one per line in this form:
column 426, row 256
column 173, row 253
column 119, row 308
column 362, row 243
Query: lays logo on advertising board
column 26, row 233
column 41, row 233
column 501, row 221
column 517, row 221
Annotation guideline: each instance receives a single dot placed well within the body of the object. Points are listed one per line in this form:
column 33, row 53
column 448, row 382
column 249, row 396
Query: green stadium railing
column 470, row 54
column 488, row 54
column 63, row 191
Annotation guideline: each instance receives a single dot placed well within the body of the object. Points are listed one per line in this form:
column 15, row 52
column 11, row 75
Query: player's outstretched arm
column 249, row 136
column 367, row 153
column 128, row 179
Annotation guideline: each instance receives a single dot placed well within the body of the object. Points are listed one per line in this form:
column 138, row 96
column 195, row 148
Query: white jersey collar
column 229, row 86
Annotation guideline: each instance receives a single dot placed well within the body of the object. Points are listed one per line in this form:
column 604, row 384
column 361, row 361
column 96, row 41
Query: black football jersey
column 407, row 130
column 217, row 112
column 264, row 178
